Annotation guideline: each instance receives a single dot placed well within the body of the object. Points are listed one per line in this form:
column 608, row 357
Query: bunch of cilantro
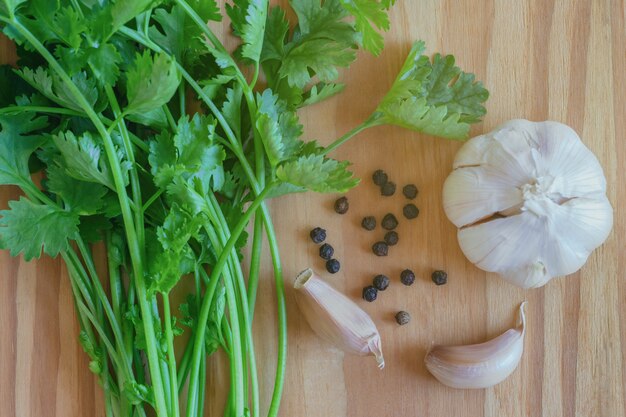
column 100, row 128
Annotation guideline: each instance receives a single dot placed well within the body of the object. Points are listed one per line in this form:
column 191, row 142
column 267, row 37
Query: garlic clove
column 520, row 247
column 481, row 365
column 336, row 318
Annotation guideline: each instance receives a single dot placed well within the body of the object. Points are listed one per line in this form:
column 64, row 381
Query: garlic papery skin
column 336, row 318
column 481, row 365
column 529, row 200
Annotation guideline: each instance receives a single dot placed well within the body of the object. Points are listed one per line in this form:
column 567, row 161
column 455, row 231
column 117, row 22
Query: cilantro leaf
column 123, row 10
column 178, row 34
column 8, row 7
column 317, row 173
column 317, row 55
column 173, row 257
column 104, row 62
column 369, row 15
column 53, row 87
column 321, row 92
column 151, row 82
column 231, row 109
column 191, row 155
column 276, row 31
column 252, row 31
column 28, row 227
column 433, row 97
column 80, row 197
column 321, row 42
column 17, row 145
column 279, row 128
column 69, row 27
column 82, row 159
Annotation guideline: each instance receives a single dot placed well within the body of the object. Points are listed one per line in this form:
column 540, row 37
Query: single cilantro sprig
column 428, row 96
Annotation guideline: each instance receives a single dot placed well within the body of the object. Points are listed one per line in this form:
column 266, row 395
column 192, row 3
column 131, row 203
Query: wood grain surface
column 563, row 60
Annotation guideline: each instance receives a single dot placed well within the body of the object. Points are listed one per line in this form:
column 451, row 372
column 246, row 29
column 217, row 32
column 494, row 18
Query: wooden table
column 545, row 59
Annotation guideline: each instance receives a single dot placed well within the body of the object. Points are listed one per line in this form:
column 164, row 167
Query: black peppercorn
column 410, row 211
column 402, row 318
column 341, row 205
column 370, row 293
column 409, row 191
column 326, row 251
column 369, row 223
column 381, row 282
column 388, row 189
column 389, row 221
column 332, row 266
column 439, row 277
column 318, row 235
column 379, row 177
column 380, row 249
column 407, row 277
column 391, row 238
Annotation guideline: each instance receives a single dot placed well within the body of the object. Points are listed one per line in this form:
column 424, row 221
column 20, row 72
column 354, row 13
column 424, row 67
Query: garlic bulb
column 529, row 200
column 482, row 365
column 336, row 318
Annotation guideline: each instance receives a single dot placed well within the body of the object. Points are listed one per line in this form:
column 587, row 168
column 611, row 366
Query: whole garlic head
column 529, row 200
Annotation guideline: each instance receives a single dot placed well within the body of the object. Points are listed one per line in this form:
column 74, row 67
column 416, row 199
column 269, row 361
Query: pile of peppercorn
column 389, row 221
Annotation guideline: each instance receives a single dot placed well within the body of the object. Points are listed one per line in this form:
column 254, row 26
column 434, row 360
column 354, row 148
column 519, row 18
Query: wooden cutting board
column 544, row 59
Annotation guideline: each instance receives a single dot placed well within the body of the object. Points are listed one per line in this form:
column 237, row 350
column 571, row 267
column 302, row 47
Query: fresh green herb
column 101, row 107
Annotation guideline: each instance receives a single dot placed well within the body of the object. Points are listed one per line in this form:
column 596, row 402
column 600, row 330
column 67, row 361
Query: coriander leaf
column 86, row 86
column 154, row 118
column 448, row 85
column 8, row 7
column 369, row 15
column 124, row 10
column 83, row 159
column 151, row 82
column 104, row 62
column 17, row 144
column 317, row 173
column 28, row 227
column 80, row 197
column 172, row 35
column 191, row 155
column 69, row 26
column 276, row 31
column 231, row 109
column 174, row 257
column 433, row 97
column 321, row 92
column 279, row 128
column 318, row 56
column 72, row 60
column 53, row 87
column 252, row 31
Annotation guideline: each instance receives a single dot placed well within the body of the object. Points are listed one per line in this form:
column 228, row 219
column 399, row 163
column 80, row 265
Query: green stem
column 133, row 244
column 371, row 121
column 255, row 264
column 238, row 367
column 171, row 357
column 281, row 361
column 223, row 230
column 40, row 109
column 206, row 304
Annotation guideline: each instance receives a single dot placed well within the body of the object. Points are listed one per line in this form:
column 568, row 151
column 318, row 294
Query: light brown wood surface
column 563, row 60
